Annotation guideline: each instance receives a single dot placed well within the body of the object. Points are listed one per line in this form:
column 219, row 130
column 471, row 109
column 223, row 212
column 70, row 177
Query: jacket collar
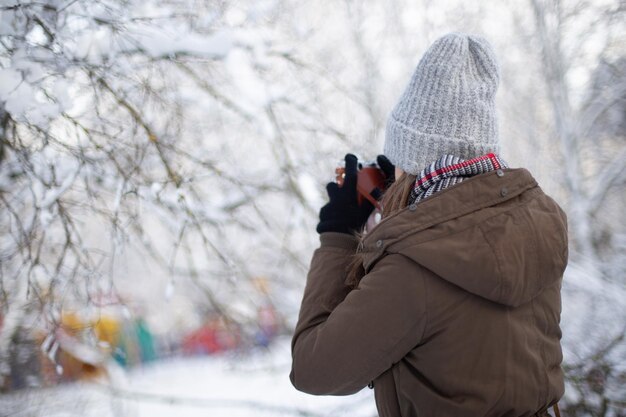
column 473, row 194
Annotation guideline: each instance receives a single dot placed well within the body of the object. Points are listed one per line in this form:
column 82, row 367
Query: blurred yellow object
column 73, row 357
column 72, row 323
column 107, row 330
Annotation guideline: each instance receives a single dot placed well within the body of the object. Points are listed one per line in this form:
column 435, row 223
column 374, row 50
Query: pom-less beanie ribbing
column 448, row 106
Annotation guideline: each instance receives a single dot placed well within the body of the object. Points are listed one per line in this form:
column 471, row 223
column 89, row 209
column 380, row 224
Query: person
column 450, row 305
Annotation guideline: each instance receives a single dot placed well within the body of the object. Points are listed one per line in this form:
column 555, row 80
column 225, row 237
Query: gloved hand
column 388, row 169
column 343, row 214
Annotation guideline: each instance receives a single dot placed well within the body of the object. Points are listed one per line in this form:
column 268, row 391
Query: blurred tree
column 101, row 153
column 590, row 176
column 581, row 40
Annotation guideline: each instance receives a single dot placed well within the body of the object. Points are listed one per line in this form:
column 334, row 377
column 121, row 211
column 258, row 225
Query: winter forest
column 163, row 162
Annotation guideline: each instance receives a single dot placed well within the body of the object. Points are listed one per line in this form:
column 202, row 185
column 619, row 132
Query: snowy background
column 162, row 164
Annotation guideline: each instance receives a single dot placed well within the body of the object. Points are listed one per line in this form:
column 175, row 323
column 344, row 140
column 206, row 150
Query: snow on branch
column 612, row 174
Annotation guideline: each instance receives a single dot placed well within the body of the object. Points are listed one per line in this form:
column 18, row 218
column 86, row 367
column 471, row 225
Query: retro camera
column 369, row 177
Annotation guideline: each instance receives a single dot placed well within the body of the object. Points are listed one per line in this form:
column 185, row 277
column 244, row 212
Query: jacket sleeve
column 345, row 339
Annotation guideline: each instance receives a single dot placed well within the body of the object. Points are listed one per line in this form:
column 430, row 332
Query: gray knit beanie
column 448, row 106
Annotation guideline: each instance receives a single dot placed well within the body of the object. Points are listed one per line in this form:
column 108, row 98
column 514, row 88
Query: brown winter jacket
column 458, row 313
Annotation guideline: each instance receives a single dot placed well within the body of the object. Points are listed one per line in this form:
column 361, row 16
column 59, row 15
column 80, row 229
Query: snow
column 161, row 43
column 54, row 193
column 21, row 98
column 9, row 80
column 94, row 46
column 232, row 386
column 258, row 385
column 6, row 23
column 61, row 91
column 590, row 304
column 40, row 277
column 310, row 189
column 26, row 62
column 261, row 9
column 250, row 86
column 169, row 290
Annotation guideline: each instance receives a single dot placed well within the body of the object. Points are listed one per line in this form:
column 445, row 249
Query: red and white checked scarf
column 449, row 170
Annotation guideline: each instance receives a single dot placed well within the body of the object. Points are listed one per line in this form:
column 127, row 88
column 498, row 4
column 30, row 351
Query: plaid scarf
column 449, row 170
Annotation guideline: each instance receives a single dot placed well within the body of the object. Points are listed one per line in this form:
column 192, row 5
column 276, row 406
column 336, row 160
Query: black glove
column 388, row 169
column 343, row 213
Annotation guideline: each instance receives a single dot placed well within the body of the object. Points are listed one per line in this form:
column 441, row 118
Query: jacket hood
column 496, row 235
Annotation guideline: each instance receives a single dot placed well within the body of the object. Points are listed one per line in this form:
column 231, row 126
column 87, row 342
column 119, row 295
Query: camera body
column 369, row 177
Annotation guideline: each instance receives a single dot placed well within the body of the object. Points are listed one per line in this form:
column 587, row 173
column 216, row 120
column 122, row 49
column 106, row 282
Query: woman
column 455, row 298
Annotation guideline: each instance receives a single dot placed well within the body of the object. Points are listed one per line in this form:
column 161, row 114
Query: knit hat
column 448, row 106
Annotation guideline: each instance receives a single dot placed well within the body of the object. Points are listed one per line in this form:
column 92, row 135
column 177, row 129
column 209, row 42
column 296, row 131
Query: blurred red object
column 213, row 337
